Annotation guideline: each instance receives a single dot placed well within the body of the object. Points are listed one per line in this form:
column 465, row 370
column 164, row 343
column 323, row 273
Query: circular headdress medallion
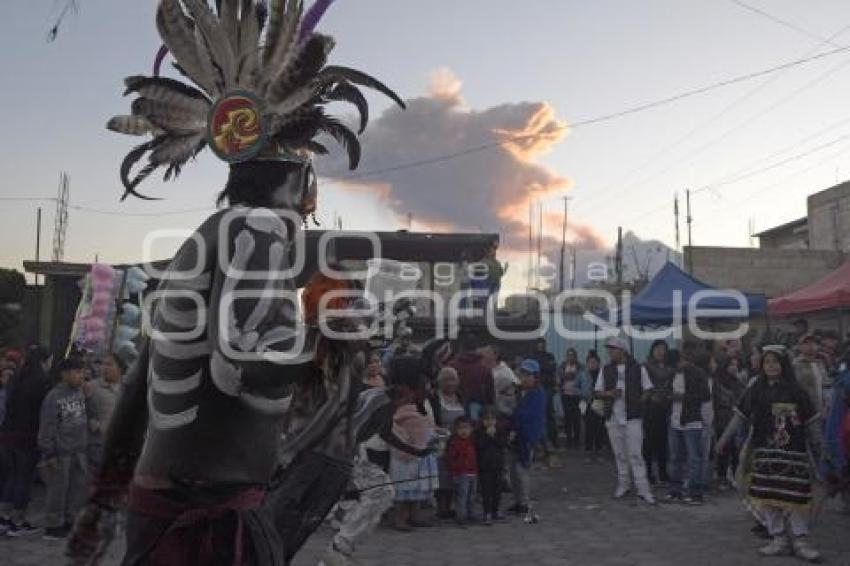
column 236, row 128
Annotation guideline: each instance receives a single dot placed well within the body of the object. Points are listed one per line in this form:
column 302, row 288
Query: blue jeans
column 19, row 472
column 686, row 447
column 465, row 496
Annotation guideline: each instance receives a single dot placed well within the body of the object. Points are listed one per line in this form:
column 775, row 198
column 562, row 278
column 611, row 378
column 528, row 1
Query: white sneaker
column 621, row 492
column 333, row 557
column 648, row 498
column 804, row 550
column 778, row 546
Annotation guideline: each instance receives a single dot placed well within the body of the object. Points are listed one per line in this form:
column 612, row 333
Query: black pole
column 38, row 290
column 690, row 242
column 37, row 241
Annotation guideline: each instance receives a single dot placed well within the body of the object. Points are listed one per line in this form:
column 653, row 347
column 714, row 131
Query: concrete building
column 792, row 235
column 438, row 256
column 789, row 256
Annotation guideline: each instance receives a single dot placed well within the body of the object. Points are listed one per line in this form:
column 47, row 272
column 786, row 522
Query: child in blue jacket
column 529, row 428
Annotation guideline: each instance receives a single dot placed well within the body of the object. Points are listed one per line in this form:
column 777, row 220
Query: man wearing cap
column 809, row 370
column 529, row 428
column 621, row 385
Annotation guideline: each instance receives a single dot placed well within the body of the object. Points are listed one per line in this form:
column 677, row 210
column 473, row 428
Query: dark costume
column 196, row 438
column 779, row 473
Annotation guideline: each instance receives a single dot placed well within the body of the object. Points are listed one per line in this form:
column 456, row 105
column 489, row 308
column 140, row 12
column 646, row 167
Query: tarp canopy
column 831, row 292
column 656, row 304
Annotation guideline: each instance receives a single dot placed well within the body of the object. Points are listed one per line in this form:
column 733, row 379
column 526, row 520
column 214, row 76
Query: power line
column 100, row 211
column 28, row 199
column 773, row 166
column 714, row 141
column 511, row 139
column 782, row 181
column 598, row 119
column 730, row 181
column 784, row 23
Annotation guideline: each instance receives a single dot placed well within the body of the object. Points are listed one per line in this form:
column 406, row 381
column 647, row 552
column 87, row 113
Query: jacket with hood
column 476, row 379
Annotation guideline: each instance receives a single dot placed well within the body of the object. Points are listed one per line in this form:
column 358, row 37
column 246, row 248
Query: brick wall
column 774, row 272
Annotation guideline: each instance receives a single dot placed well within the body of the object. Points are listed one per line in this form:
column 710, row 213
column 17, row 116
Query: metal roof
column 799, row 223
column 400, row 246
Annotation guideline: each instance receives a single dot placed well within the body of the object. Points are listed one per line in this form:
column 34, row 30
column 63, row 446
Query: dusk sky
column 474, row 70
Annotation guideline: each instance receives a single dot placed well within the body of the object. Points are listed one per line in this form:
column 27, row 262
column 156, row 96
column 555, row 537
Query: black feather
column 303, row 68
column 297, row 118
column 315, row 147
column 345, row 137
column 335, row 74
column 130, row 160
column 347, row 92
column 137, row 82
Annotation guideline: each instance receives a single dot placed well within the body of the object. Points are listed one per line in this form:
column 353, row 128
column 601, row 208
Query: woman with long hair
column 656, row 420
column 573, row 381
column 727, row 391
column 595, row 436
column 776, row 471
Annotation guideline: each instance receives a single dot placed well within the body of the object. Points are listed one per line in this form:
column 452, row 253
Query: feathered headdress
column 251, row 98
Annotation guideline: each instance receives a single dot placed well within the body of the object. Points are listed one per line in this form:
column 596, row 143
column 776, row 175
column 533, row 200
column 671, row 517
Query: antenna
column 751, row 228
column 530, row 238
column 676, row 215
column 537, row 280
column 60, row 225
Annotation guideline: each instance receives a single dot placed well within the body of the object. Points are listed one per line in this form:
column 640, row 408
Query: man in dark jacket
column 689, row 390
column 476, row 380
column 24, row 396
column 548, row 369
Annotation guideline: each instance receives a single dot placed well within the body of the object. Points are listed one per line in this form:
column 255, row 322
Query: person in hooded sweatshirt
column 476, row 380
column 63, row 441
column 24, row 394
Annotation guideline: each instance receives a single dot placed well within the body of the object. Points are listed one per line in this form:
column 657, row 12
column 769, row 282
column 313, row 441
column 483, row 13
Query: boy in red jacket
column 462, row 462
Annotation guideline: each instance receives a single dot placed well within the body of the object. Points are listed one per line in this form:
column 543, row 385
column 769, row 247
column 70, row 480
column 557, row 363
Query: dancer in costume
column 776, row 465
column 373, row 491
column 193, row 448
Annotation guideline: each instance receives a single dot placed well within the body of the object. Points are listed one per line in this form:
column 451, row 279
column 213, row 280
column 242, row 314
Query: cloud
column 485, row 190
column 489, row 190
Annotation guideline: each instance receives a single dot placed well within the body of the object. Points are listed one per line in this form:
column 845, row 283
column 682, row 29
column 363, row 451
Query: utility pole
column 573, row 272
column 676, row 220
column 530, row 238
column 37, row 240
column 38, row 259
column 751, row 228
column 537, row 279
column 690, row 242
column 60, row 226
column 409, row 221
column 618, row 258
column 562, row 281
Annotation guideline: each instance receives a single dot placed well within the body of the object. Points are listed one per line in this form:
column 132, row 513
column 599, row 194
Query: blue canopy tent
column 654, row 305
